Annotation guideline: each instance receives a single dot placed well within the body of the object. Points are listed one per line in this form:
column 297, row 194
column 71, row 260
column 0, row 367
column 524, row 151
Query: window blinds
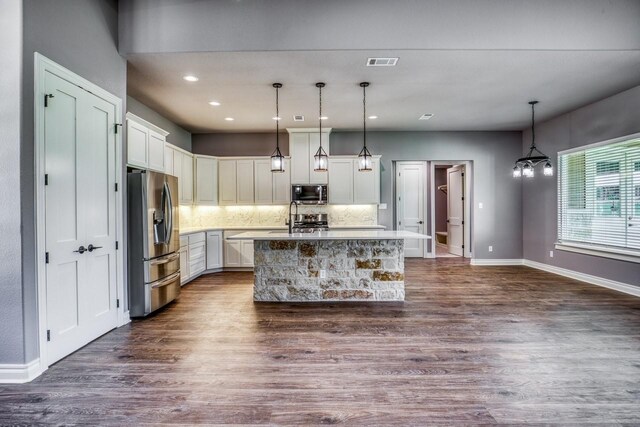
column 599, row 195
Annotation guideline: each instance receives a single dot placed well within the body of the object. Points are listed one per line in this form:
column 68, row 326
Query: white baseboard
column 588, row 278
column 475, row 261
column 19, row 373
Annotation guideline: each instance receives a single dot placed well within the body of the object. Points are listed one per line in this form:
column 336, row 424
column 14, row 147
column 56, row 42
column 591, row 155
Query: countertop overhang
column 331, row 235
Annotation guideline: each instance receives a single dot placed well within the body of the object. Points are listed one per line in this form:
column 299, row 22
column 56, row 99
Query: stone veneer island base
column 289, row 270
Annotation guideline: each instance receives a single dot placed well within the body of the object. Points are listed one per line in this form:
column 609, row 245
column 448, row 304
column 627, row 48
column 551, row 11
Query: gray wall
column 11, row 324
column 606, row 119
column 177, row 135
column 239, row 144
column 160, row 26
column 80, row 35
column 499, row 223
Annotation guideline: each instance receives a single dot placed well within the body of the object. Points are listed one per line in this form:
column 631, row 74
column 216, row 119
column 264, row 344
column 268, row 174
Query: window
column 599, row 197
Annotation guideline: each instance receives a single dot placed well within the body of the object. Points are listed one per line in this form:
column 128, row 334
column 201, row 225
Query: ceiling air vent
column 382, row 62
column 426, row 116
column 299, row 118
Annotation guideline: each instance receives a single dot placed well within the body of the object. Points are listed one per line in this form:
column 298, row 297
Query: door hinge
column 116, row 126
column 46, row 179
column 46, row 99
column 462, row 246
column 48, row 334
column 46, row 257
column 462, row 174
column 463, row 198
column 116, row 186
column 462, row 222
column 116, row 245
column 118, row 303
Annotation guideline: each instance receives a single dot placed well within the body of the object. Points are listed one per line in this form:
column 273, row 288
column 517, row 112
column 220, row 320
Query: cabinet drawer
column 196, row 238
column 197, row 251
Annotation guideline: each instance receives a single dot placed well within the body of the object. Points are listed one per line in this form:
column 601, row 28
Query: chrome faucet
column 293, row 202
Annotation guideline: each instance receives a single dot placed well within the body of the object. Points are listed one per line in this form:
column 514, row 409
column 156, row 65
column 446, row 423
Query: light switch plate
column 382, row 206
column 490, row 248
column 480, row 205
column 323, row 274
column 551, row 254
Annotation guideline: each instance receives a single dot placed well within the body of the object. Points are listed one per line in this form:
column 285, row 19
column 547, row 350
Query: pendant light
column 320, row 159
column 364, row 158
column 277, row 159
column 525, row 166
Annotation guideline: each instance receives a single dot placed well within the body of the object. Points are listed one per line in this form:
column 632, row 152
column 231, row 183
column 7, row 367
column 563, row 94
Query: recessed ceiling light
column 229, row 119
column 425, row 116
column 373, row 117
column 191, row 78
column 324, row 118
column 214, row 103
column 277, row 118
column 298, row 118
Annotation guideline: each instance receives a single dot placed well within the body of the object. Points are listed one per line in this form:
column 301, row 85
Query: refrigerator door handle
column 164, row 282
column 169, row 214
column 164, row 260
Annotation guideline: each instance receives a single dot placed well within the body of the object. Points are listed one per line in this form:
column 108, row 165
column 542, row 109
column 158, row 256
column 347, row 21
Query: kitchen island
column 329, row 265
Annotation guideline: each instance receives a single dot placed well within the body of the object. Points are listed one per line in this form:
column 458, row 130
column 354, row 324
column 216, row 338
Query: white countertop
column 191, row 230
column 331, row 235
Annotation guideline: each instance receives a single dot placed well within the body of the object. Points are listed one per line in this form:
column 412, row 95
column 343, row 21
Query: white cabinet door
column 341, row 181
column 156, row 151
column 244, row 179
column 227, row 182
column 366, row 184
column 214, row 250
column 246, row 249
column 314, row 144
column 263, row 182
column 197, row 258
column 168, row 160
column 137, row 144
column 177, row 169
column 206, row 182
column 232, row 253
column 299, row 151
column 184, row 264
column 282, row 186
column 186, row 179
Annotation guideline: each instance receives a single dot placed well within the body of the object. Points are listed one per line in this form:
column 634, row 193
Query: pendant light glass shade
column 320, row 159
column 525, row 165
column 364, row 158
column 277, row 159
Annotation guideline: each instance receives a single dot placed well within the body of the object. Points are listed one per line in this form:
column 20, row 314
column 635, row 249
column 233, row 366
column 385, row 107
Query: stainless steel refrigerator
column 154, row 241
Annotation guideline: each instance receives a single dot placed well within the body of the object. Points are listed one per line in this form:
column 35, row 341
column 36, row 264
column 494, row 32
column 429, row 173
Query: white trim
column 496, row 262
column 600, row 251
column 42, row 65
column 308, row 130
column 588, row 278
column 598, row 144
column 19, row 373
column 149, row 125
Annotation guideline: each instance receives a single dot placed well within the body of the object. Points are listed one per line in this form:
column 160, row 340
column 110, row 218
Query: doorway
column 79, row 211
column 410, row 199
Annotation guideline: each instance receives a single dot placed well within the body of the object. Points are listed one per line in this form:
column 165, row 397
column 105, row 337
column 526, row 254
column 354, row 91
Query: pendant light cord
column 277, row 119
column 320, row 119
column 364, row 115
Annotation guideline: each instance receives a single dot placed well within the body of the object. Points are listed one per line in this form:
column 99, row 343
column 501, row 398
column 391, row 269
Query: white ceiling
column 464, row 89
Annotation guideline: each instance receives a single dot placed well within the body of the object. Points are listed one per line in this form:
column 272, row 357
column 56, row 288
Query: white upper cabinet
column 227, row 182
column 303, row 144
column 282, row 185
column 206, row 180
column 145, row 144
column 366, row 184
column 263, row 182
column 179, row 163
column 348, row 185
column 168, row 159
column 341, row 175
column 245, row 183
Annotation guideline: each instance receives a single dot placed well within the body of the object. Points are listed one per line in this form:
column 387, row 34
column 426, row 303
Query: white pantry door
column 455, row 209
column 410, row 182
column 80, row 204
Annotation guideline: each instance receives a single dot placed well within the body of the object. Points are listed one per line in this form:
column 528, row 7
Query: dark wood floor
column 471, row 345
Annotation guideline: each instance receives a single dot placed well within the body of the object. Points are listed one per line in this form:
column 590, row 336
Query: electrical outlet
column 490, row 248
column 480, row 205
column 323, row 274
column 382, row 206
column 551, row 254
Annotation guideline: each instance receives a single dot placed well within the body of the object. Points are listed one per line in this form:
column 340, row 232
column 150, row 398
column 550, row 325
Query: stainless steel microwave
column 309, row 194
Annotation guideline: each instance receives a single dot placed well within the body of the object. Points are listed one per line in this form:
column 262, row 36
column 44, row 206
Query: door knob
column 81, row 250
column 91, row 248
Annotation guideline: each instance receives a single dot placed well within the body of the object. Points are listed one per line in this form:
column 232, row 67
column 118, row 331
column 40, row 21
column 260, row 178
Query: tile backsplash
column 238, row 216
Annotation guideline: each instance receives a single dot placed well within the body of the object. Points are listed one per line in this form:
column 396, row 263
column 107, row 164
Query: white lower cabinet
column 214, row 250
column 237, row 253
column 184, row 259
column 197, row 254
column 246, row 249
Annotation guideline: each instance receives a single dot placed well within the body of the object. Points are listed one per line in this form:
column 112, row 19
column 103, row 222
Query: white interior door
column 455, row 209
column 410, row 182
column 80, row 205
